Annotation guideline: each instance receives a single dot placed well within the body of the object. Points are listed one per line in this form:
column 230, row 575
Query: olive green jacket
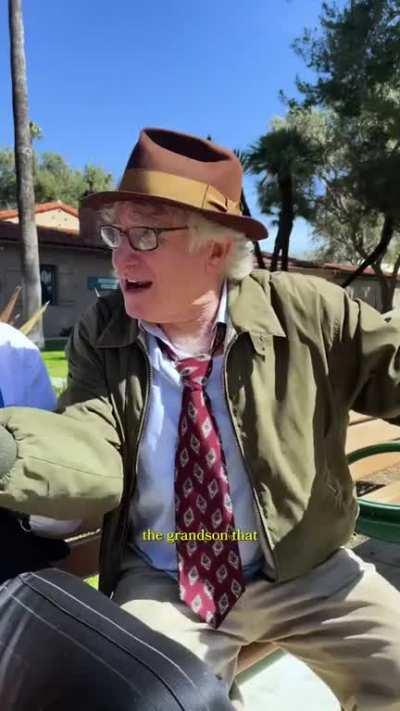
column 304, row 353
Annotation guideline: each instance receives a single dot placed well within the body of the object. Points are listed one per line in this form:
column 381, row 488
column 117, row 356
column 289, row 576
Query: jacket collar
column 249, row 306
column 120, row 330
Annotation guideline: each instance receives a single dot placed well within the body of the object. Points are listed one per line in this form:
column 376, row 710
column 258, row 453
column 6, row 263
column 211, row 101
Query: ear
column 218, row 253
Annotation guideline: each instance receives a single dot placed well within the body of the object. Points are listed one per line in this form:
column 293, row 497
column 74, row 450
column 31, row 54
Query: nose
column 124, row 255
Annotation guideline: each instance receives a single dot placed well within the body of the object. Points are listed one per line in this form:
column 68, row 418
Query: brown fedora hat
column 186, row 171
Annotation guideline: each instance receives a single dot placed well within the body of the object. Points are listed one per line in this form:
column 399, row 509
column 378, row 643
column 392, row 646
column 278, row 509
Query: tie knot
column 194, row 371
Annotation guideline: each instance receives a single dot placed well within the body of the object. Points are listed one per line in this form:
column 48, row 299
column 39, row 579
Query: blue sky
column 100, row 71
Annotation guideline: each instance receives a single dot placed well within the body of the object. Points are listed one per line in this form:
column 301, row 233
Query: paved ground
column 386, row 556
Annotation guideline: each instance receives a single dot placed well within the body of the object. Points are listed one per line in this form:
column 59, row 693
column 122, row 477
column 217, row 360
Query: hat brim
column 253, row 229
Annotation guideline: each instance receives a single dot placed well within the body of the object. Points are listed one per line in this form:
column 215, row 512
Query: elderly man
column 221, row 395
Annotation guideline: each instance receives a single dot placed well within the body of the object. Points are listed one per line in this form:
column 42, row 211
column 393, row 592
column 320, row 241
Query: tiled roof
column 43, row 207
column 295, row 264
column 10, row 232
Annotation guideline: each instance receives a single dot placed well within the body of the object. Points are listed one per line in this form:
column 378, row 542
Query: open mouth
column 136, row 285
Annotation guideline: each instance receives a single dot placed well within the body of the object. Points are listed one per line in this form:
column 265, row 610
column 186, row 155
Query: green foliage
column 35, row 131
column 342, row 230
column 293, row 149
column 376, row 179
column 355, row 54
column 356, row 57
column 8, row 180
column 54, row 179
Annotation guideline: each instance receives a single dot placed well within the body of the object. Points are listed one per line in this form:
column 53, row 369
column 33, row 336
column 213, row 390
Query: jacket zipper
column 140, row 434
column 247, row 468
column 146, row 403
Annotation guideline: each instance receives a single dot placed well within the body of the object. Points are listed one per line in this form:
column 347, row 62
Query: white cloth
column 23, row 376
column 24, row 382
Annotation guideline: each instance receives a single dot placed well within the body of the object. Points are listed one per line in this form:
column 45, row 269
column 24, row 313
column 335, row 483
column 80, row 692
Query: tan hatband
column 174, row 187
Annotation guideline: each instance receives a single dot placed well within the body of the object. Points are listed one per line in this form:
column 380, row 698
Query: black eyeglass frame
column 156, row 230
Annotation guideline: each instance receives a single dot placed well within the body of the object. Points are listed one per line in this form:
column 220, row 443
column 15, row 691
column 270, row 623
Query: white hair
column 240, row 259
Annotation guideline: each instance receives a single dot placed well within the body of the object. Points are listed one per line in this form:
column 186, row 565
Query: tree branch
column 387, row 234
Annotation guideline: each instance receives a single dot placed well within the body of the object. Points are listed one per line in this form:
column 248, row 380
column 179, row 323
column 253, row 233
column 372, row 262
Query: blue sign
column 102, row 283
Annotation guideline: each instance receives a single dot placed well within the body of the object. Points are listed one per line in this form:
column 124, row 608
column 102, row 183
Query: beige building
column 49, row 214
column 74, row 267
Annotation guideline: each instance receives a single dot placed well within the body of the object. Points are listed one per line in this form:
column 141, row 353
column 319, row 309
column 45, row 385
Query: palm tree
column 286, row 161
column 32, row 297
column 246, row 210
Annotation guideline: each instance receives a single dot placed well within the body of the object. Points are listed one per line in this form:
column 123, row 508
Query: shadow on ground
column 385, row 556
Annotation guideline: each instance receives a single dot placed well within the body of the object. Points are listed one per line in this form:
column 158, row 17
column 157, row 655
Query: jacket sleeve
column 68, row 463
column 366, row 358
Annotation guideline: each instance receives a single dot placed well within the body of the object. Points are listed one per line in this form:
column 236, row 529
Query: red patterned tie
column 210, row 570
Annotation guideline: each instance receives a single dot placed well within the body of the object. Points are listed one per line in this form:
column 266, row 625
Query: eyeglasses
column 140, row 238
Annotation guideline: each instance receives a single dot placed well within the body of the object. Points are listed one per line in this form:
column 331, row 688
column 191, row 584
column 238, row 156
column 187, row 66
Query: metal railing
column 376, row 519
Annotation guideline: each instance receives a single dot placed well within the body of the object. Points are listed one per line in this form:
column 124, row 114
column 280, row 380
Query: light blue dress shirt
column 153, row 502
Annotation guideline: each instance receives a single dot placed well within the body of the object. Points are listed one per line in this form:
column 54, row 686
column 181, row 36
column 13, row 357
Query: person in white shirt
column 24, row 382
column 23, row 376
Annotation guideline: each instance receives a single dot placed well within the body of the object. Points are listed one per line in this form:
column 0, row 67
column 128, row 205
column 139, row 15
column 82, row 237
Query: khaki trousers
column 342, row 619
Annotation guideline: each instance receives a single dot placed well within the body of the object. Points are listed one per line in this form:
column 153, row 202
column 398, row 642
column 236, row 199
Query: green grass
column 55, row 344
column 55, row 363
column 94, row 581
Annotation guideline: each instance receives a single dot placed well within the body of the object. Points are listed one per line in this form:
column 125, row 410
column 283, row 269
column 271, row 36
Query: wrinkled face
column 173, row 281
